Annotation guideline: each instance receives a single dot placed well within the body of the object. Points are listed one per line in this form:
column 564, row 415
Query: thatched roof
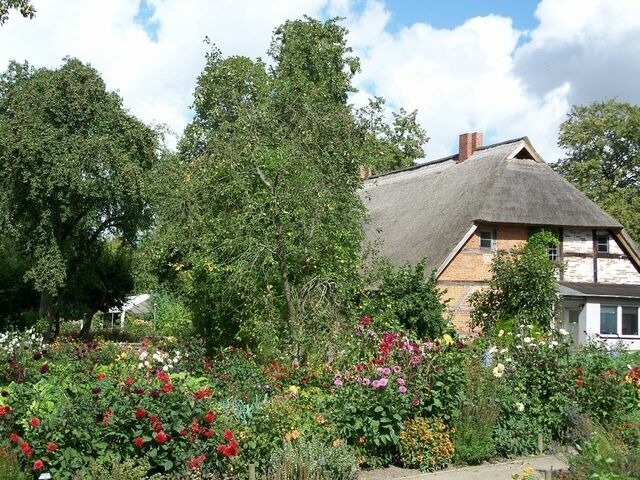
column 429, row 210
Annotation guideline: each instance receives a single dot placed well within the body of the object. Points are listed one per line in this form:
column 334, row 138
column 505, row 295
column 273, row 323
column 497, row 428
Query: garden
column 167, row 409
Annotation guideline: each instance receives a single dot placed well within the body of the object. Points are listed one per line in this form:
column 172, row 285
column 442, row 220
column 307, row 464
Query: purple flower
column 415, row 360
column 400, row 381
column 402, row 389
column 154, row 394
column 386, row 371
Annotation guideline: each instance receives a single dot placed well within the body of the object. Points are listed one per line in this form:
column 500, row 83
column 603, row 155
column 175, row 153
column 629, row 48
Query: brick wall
column 470, row 269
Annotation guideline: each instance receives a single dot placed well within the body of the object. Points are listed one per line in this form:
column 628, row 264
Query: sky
column 508, row 68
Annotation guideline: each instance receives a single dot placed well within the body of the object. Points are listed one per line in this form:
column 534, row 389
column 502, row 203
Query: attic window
column 603, row 243
column 524, row 154
column 487, row 239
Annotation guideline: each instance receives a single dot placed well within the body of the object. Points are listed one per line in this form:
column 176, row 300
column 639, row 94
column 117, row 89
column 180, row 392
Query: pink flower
column 337, row 382
column 366, row 320
column 397, row 369
column 366, row 381
column 379, row 370
column 415, row 360
column 383, row 382
column 400, row 381
column 415, row 401
column 386, row 371
column 402, row 389
column 38, row 465
column 34, row 422
column 375, row 384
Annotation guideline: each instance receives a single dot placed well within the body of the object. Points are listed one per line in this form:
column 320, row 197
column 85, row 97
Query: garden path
column 487, row 471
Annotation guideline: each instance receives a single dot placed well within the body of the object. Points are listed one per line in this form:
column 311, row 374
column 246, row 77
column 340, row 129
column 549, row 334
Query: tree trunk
column 48, row 313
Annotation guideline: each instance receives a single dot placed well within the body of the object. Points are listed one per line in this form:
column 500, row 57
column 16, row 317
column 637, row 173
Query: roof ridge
column 443, row 159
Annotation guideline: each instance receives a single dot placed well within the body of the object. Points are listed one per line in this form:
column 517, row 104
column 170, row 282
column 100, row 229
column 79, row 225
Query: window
column 617, row 320
column 608, row 320
column 629, row 321
column 552, row 252
column 603, row 243
column 487, row 239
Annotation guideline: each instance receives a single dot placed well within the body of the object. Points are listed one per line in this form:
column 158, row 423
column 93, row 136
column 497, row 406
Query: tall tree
column 602, row 141
column 72, row 166
column 270, row 222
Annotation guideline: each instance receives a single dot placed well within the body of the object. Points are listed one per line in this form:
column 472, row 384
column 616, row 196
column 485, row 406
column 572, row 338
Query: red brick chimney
column 468, row 143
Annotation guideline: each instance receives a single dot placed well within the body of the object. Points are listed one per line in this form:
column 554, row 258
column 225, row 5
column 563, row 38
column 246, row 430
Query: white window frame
column 493, row 238
column 598, row 244
column 618, row 333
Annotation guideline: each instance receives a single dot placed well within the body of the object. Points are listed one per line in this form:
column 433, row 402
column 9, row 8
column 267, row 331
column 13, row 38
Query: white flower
column 526, row 339
column 518, row 347
column 143, row 355
column 520, row 406
column 165, row 368
column 553, row 344
column 492, row 350
column 140, row 365
column 504, row 350
column 501, row 333
column 563, row 332
column 498, row 370
column 146, row 363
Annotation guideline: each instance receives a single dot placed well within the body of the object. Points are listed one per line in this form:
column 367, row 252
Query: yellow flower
column 293, row 389
column 447, row 340
column 292, row 435
column 337, row 442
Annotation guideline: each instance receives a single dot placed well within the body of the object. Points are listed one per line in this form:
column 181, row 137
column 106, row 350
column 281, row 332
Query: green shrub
column 313, row 460
column 473, row 434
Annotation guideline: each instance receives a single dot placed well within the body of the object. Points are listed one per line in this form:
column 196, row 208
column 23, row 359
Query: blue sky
column 451, row 13
column 509, row 68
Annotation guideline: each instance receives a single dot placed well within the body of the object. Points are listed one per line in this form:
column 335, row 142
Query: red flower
column 129, row 381
column 100, row 376
column 52, row 447
column 26, row 449
column 34, row 422
column 232, row 449
column 210, row 417
column 207, row 432
column 140, row 413
column 366, row 320
column 154, row 419
column 44, row 368
column 161, row 437
column 579, row 383
column 196, row 462
column 4, row 410
column 107, row 417
column 157, row 426
column 203, row 393
column 138, row 442
column 167, row 387
column 183, row 432
column 195, row 427
column 38, row 465
column 14, row 437
column 228, row 435
column 96, row 390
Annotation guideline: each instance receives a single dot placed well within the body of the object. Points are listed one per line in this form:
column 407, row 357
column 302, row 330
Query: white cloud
column 482, row 75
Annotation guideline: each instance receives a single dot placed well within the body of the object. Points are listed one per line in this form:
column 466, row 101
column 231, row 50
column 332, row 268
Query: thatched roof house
column 458, row 211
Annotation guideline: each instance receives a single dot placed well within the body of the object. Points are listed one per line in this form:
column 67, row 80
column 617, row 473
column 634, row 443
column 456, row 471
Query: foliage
column 172, row 316
column 263, row 232
column 404, row 300
column 16, row 296
column 302, row 460
column 602, row 141
column 425, row 444
column 73, row 165
column 473, row 433
column 24, row 6
column 522, row 289
column 603, row 455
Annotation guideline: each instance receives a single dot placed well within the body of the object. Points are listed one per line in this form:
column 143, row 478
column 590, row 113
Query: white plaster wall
column 578, row 269
column 577, row 240
column 592, row 328
column 615, row 270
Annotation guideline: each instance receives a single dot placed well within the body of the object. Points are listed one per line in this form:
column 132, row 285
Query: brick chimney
column 468, row 143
